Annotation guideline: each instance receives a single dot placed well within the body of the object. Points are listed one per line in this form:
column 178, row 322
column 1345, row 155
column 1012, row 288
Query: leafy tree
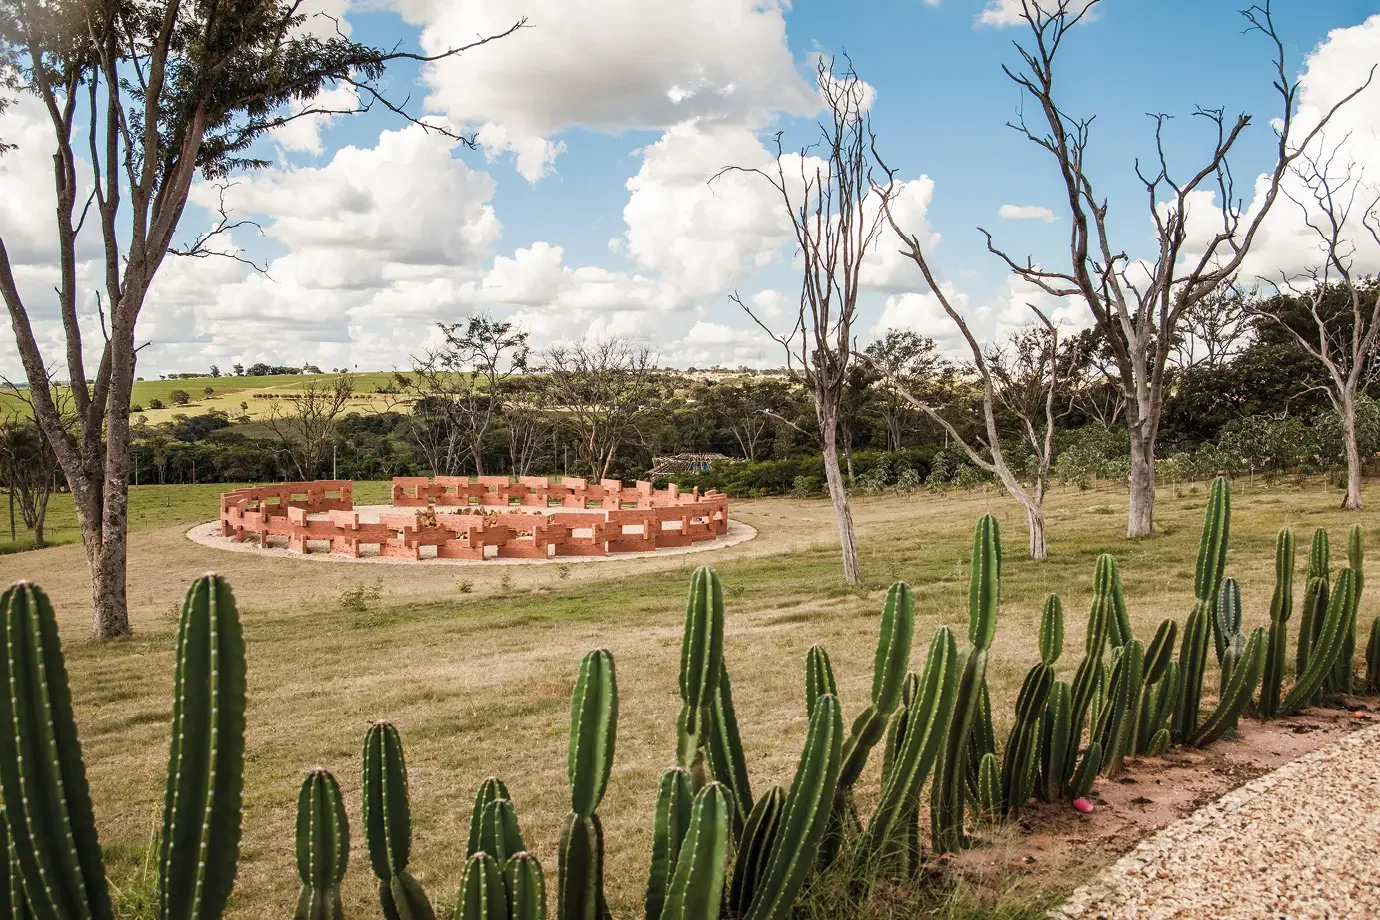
column 153, row 93
column 179, row 397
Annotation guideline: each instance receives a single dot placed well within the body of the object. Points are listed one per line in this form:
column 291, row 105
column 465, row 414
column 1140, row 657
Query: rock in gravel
column 1301, row 843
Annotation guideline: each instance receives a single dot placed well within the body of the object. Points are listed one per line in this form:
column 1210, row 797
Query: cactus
column 1373, row 657
column 1314, row 598
column 896, row 731
column 1342, row 676
column 946, row 822
column 490, row 790
column 1157, row 705
column 701, row 663
column 1107, row 582
column 891, row 832
column 388, row 825
column 1328, row 645
column 593, row 733
column 1022, row 744
column 526, row 885
column 819, row 677
column 988, row 800
column 1281, row 608
column 1080, row 785
column 483, row 896
column 888, row 679
column 499, row 835
column 759, row 836
column 56, row 852
column 1122, row 697
column 1237, row 693
column 725, row 750
column 1212, row 557
column 982, row 740
column 323, row 847
column 696, row 889
column 1056, row 731
column 1228, row 632
column 671, row 819
column 1052, row 630
column 805, row 815
column 1159, row 743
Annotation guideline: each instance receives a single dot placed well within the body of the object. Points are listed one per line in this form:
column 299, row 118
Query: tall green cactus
column 669, row 824
column 1161, row 681
column 323, row 847
column 1052, row 630
column 1373, row 657
column 47, row 803
column 984, row 601
column 1281, row 608
column 701, row 663
column 1237, row 693
column 805, row 816
column 526, row 885
column 888, row 677
column 754, row 850
column 1326, row 648
column 388, row 825
column 819, row 677
column 483, row 895
column 593, row 733
column 1212, row 558
column 499, row 835
column 725, row 749
column 1228, row 620
column 1022, row 744
column 1107, row 582
column 1122, row 698
column 697, row 886
column 1056, row 736
column 491, row 790
column 890, row 833
column 1314, row 598
column 1342, row 672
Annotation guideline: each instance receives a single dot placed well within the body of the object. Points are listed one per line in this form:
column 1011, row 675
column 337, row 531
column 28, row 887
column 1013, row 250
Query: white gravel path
column 1301, row 842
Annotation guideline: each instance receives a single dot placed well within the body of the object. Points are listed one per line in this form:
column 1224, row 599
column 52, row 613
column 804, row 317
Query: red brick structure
column 491, row 517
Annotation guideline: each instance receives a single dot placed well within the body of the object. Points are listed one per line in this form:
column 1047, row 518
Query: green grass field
column 228, row 393
column 475, row 665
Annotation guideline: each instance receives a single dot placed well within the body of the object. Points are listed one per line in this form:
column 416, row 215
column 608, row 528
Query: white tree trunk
column 1352, row 501
column 1140, row 518
column 838, row 495
column 1035, row 519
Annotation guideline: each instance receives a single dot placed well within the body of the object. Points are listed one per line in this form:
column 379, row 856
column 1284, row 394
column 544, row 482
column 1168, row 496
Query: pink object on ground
column 1083, row 805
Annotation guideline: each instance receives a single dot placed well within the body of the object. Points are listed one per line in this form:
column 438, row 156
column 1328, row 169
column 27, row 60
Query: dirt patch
column 1057, row 847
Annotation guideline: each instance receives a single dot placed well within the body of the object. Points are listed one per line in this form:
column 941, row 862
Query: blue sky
column 586, row 210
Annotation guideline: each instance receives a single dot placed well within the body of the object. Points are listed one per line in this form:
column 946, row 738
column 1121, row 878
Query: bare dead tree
column 527, row 412
column 304, row 427
column 835, row 209
column 914, row 360
column 1215, row 329
column 29, row 469
column 1140, row 304
column 1018, row 378
column 1331, row 310
column 601, row 389
column 164, row 90
column 459, row 388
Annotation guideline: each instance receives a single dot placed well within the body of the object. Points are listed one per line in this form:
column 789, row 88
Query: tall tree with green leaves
column 143, row 98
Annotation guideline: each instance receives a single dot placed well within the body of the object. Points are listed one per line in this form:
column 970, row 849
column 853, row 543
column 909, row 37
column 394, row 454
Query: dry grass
column 478, row 681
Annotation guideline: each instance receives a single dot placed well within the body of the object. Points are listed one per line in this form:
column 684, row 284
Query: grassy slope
column 229, row 393
column 475, row 664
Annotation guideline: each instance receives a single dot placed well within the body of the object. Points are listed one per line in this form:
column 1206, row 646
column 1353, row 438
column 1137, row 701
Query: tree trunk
column 1035, row 518
column 1352, row 501
column 838, row 494
column 1140, row 520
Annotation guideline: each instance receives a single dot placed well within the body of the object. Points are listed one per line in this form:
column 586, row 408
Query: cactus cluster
column 716, row 851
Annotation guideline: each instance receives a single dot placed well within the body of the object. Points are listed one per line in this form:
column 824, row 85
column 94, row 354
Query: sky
column 587, row 210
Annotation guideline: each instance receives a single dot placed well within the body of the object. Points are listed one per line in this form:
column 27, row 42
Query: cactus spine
column 1122, row 696
column 499, row 835
column 1052, row 630
column 526, row 885
column 388, row 825
column 983, row 605
column 759, row 837
column 323, row 847
column 701, row 663
column 1212, row 558
column 805, row 815
column 696, row 890
column 1281, row 608
column 490, row 791
column 1314, row 598
column 670, row 822
column 47, row 804
column 483, row 895
column 593, row 733
column 1237, row 692
column 819, row 677
column 1322, row 656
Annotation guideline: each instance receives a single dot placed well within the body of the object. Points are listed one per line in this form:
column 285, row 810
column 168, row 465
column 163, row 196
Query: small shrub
column 362, row 596
column 464, row 586
column 563, row 571
column 505, row 583
column 155, row 403
column 179, row 397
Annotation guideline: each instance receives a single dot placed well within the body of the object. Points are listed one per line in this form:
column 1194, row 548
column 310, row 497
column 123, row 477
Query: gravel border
column 208, row 535
column 1284, row 845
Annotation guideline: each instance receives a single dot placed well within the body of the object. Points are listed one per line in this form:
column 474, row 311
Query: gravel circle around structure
column 1301, row 842
column 208, row 534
